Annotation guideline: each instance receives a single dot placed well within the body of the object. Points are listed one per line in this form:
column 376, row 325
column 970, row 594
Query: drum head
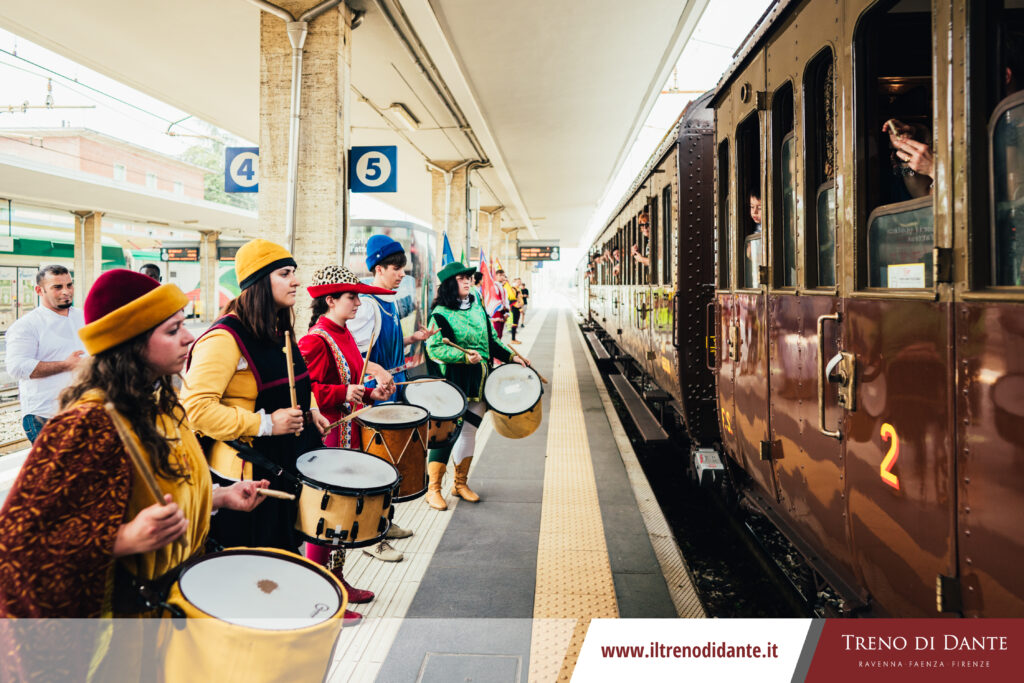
column 260, row 590
column 512, row 389
column 443, row 400
column 393, row 416
column 343, row 468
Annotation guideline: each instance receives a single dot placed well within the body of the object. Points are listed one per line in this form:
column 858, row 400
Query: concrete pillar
column 490, row 230
column 322, row 199
column 449, row 215
column 208, row 305
column 88, row 251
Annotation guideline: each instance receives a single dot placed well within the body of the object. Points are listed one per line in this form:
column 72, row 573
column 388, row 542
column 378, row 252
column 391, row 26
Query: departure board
column 538, row 253
column 179, row 254
column 226, row 253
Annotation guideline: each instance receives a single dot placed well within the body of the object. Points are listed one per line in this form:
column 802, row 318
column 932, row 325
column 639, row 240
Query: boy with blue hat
column 380, row 322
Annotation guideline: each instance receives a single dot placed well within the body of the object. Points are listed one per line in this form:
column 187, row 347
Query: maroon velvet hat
column 123, row 304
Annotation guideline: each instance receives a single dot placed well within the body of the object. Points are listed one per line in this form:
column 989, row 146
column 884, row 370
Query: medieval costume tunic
column 334, row 364
column 231, row 376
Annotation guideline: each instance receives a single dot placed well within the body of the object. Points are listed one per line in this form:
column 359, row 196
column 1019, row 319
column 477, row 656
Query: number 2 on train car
column 888, row 433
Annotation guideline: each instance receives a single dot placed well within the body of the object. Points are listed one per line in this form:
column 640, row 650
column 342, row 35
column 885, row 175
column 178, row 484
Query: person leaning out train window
column 642, row 252
column 911, row 156
column 755, row 216
column 616, row 262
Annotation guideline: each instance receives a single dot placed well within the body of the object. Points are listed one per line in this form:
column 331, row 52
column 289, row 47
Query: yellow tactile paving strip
column 574, row 576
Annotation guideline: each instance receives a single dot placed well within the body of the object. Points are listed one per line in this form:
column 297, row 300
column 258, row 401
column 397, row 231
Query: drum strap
column 133, row 595
column 255, row 457
column 345, row 373
column 472, row 418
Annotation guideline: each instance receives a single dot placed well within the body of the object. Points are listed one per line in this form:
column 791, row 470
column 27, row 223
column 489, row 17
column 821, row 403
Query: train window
column 893, row 59
column 820, row 173
column 667, row 248
column 748, row 170
column 997, row 76
column 650, row 243
column 784, row 204
column 723, row 214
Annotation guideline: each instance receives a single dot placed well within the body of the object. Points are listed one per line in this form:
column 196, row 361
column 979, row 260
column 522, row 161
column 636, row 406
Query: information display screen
column 226, row 253
column 538, row 253
column 179, row 254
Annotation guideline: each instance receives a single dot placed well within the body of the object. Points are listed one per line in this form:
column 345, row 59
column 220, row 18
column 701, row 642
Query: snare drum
column 345, row 497
column 398, row 433
column 512, row 393
column 258, row 603
column 445, row 402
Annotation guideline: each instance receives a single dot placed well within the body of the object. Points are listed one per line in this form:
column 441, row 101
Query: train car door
column 990, row 321
column 893, row 374
column 749, row 332
column 726, row 343
column 808, row 464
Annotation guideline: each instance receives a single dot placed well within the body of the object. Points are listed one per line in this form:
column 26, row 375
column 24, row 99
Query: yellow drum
column 399, row 434
column 254, row 614
column 345, row 497
column 446, row 404
column 513, row 393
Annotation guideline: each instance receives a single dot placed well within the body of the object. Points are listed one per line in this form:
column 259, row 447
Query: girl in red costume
column 335, row 369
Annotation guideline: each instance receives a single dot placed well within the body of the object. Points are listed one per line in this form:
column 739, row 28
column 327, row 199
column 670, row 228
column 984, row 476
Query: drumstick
column 457, row 347
column 291, row 367
column 138, row 457
column 274, row 493
column 419, row 381
column 366, row 360
column 525, row 360
column 514, row 353
column 347, row 418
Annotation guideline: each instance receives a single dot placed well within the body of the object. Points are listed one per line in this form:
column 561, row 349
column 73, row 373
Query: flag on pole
column 462, row 256
column 492, row 300
column 446, row 252
column 497, row 265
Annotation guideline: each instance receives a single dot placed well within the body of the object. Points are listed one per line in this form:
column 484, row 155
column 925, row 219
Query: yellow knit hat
column 257, row 258
column 123, row 304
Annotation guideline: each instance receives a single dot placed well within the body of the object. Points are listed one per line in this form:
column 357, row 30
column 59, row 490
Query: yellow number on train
column 888, row 432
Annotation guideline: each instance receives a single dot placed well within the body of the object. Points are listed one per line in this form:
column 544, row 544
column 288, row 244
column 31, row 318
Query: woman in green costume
column 462, row 321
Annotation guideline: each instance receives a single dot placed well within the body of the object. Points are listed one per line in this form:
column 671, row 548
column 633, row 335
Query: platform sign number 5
column 373, row 169
column 241, row 169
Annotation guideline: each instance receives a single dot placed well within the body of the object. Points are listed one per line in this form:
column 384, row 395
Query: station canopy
column 554, row 92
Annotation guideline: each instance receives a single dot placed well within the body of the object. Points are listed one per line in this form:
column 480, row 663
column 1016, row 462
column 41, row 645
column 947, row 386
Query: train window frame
column 781, row 137
column 654, row 276
column 667, row 235
column 817, row 178
column 1013, row 101
column 744, row 186
column 723, row 215
column 869, row 187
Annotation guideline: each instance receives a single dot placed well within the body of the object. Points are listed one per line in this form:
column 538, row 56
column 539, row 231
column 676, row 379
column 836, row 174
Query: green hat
column 452, row 269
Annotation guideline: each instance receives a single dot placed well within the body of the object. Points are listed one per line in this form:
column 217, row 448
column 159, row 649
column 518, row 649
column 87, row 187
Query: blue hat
column 379, row 246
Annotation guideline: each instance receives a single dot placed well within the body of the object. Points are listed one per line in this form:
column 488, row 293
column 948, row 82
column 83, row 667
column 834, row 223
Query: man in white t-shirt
column 43, row 348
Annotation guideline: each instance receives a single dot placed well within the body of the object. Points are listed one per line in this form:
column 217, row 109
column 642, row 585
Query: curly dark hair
column 448, row 294
column 259, row 314
column 116, row 372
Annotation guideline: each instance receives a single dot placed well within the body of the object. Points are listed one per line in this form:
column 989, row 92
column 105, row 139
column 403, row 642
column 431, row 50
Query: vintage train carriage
column 650, row 288
column 870, row 378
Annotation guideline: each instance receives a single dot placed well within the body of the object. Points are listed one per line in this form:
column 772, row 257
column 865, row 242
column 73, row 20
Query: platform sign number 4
column 373, row 169
column 241, row 169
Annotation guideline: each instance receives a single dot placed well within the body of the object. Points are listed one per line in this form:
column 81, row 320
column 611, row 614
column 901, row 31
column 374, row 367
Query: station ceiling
column 554, row 92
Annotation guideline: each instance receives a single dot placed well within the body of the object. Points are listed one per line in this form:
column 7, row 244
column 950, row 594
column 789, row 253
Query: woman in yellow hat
column 237, row 388
column 80, row 535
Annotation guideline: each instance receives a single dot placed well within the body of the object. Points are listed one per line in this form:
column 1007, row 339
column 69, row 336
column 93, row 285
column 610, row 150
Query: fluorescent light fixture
column 400, row 113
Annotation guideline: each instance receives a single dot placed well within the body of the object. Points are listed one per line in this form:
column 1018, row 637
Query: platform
column 568, row 530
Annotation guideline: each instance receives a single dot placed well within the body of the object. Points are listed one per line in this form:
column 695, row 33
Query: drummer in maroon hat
column 336, row 372
column 78, row 485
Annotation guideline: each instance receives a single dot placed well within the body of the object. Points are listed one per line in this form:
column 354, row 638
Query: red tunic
column 330, row 383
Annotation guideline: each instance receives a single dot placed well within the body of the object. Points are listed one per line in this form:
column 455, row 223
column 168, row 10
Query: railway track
column 13, row 446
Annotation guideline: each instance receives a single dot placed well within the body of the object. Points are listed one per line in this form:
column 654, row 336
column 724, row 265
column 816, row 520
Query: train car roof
column 754, row 40
column 697, row 114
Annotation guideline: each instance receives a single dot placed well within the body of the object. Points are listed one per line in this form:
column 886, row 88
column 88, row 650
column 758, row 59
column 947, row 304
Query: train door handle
column 825, row 373
column 842, row 370
column 734, row 343
column 709, row 336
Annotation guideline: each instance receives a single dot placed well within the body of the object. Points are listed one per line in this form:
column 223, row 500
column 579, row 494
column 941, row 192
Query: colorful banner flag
column 446, row 252
column 492, row 300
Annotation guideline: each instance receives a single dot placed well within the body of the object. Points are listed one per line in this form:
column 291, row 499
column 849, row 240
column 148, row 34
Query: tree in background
column 208, row 153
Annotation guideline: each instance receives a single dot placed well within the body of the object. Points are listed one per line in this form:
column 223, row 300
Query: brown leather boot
column 435, row 472
column 460, row 488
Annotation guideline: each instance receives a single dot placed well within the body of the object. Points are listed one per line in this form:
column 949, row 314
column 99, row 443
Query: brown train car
column 873, row 370
column 870, row 369
column 658, row 312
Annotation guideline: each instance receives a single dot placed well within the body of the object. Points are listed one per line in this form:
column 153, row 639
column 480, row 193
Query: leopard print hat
column 331, row 280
